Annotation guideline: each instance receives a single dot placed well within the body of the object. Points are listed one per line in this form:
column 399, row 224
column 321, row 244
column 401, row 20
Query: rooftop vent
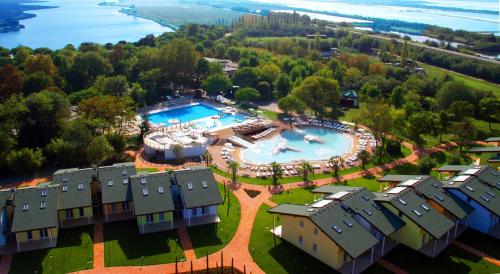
column 491, row 193
column 485, row 198
column 376, row 206
column 416, row 212
column 347, row 223
column 439, row 197
column 160, row 189
column 65, row 179
column 143, row 181
column 426, row 208
column 470, row 188
column 44, row 192
column 190, row 186
column 435, row 185
column 145, row 192
column 110, row 183
column 80, row 186
column 365, row 198
column 401, row 201
column 125, row 181
column 43, row 205
column 204, row 184
column 65, row 188
column 26, row 207
column 368, row 212
column 310, row 210
column 338, row 229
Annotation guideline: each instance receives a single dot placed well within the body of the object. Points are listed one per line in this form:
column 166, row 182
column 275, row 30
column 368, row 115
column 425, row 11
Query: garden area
column 123, row 245
column 74, row 252
column 210, row 238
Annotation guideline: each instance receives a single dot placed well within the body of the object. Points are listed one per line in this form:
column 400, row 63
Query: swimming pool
column 203, row 116
column 290, row 146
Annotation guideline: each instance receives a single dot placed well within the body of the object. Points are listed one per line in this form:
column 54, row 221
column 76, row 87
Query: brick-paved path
column 5, row 263
column 391, row 267
column 476, row 252
column 98, row 246
column 187, row 246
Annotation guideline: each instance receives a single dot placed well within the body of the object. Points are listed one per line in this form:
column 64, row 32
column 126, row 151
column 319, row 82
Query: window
column 80, row 186
column 125, row 206
column 426, row 208
column 401, row 201
column 160, row 189
column 65, row 179
column 149, row 218
column 345, row 257
column 301, row 240
column 190, row 186
column 366, row 198
column 193, row 212
column 124, row 172
column 26, row 207
column 82, row 212
column 491, row 193
column 204, row 184
column 337, row 229
column 376, row 206
column 143, row 181
column 301, row 223
column 30, row 235
column 348, row 223
column 65, row 188
column 125, row 181
column 145, row 192
column 69, row 213
column 204, row 210
column 315, row 248
column 439, row 197
column 470, row 188
column 367, row 211
column 44, row 233
column 162, row 217
column 416, row 212
column 316, row 231
column 486, row 199
column 44, row 192
column 43, row 205
column 110, row 182
column 113, row 208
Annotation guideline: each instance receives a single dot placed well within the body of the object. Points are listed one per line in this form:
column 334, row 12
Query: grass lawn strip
column 123, row 245
column 74, row 252
column 210, row 238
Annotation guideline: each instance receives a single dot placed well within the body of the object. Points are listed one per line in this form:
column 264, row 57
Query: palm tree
column 305, row 169
column 277, row 172
column 335, row 163
column 363, row 156
column 207, row 157
column 233, row 169
column 177, row 151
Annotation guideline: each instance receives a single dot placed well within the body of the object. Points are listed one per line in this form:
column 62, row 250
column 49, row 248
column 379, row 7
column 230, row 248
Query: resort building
column 228, row 66
column 115, row 191
column 426, row 230
column 327, row 232
column 171, row 143
column 482, row 197
column 493, row 151
column 35, row 224
column 153, row 203
column 432, row 191
column 349, row 98
column 377, row 220
column 75, row 198
column 195, row 190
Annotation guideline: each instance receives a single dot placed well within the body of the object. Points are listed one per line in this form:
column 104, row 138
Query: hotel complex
column 31, row 217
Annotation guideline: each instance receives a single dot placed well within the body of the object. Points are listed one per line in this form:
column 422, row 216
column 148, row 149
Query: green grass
column 279, row 256
column 207, row 239
column 74, row 252
column 451, row 260
column 123, row 245
column 435, row 72
column 299, row 196
column 146, row 169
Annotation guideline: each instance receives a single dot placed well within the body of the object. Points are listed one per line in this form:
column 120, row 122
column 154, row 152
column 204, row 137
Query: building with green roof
column 115, row 191
column 426, row 230
column 376, row 219
column 327, row 232
column 35, row 223
column 75, row 198
column 197, row 193
column 153, row 202
column 482, row 197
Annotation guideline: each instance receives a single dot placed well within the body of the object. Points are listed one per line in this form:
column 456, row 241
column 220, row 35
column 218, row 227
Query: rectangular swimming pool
column 183, row 114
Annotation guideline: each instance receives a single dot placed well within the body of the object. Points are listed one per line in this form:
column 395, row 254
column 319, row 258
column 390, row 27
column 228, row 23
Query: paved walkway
column 187, row 246
column 98, row 246
column 5, row 263
column 476, row 252
column 391, row 267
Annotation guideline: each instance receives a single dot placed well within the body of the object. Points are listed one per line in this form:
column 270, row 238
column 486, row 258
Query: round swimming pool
column 309, row 144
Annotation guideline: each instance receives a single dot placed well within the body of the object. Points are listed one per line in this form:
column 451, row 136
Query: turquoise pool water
column 199, row 113
column 295, row 148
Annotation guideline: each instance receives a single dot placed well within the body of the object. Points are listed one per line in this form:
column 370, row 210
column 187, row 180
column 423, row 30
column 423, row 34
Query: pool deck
column 216, row 150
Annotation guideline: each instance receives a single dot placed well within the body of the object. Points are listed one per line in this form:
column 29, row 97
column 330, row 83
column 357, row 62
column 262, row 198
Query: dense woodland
column 74, row 106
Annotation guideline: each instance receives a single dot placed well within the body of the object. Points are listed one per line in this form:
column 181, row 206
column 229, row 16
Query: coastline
column 12, row 13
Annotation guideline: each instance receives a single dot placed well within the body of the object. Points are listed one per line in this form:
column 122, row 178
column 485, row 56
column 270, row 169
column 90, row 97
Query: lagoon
column 77, row 21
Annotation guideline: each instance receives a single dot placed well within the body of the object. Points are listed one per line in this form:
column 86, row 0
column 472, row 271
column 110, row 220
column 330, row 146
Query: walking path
column 391, row 267
column 98, row 246
column 5, row 263
column 476, row 252
column 187, row 246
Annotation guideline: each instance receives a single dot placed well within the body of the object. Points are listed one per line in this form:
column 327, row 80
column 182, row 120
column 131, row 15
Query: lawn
column 146, row 169
column 299, row 196
column 74, row 252
column 123, row 245
column 207, row 239
column 435, row 72
column 451, row 260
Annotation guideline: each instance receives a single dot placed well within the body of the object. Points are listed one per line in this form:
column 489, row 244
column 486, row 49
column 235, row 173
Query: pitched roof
column 198, row 187
column 74, row 187
column 329, row 189
column 485, row 149
column 432, row 189
column 454, row 168
column 349, row 94
column 477, row 191
column 485, row 174
column 152, row 193
column 6, row 195
column 336, row 223
column 398, row 178
column 114, row 180
column 361, row 201
column 416, row 209
column 493, row 139
column 35, row 208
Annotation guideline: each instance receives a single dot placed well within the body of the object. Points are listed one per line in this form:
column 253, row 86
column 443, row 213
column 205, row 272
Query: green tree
column 114, row 85
column 335, row 163
column 207, row 157
column 397, row 96
column 464, row 132
column 25, row 160
column 489, row 108
column 452, row 91
column 269, row 73
column 277, row 172
column 318, row 94
column 352, row 78
column 305, row 169
column 460, row 110
column 233, row 169
column 264, row 90
column 363, row 156
column 283, row 85
column 291, row 104
column 422, row 123
column 216, row 83
column 86, row 67
column 178, row 61
column 369, row 91
column 113, row 112
column 177, row 150
column 99, row 150
column 245, row 95
column 11, row 81
column 246, row 77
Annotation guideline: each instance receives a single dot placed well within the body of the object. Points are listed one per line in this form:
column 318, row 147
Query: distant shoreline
column 13, row 12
